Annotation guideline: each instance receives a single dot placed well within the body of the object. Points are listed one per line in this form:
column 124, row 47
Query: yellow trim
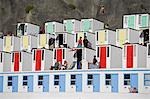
column 122, row 37
column 7, row 46
column 25, row 42
column 101, row 36
column 43, row 40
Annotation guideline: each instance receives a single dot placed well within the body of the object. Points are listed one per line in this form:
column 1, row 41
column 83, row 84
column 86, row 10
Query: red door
column 130, row 56
column 16, row 61
column 59, row 55
column 102, row 57
column 38, row 55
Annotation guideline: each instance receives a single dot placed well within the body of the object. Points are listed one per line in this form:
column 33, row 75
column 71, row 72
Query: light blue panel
column 1, row 84
column 96, row 82
column 114, row 82
column 62, row 83
column 46, row 83
column 50, row 28
column 79, row 83
column 14, row 83
column 134, row 81
column 30, row 83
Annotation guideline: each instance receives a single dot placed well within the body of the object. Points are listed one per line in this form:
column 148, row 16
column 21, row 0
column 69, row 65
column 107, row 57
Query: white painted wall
column 1, row 44
column 58, row 27
column 6, row 63
column 95, row 25
column 76, row 25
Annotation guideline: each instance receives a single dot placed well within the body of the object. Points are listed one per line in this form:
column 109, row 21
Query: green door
column 144, row 22
column 69, row 26
column 131, row 22
column 50, row 27
column 86, row 26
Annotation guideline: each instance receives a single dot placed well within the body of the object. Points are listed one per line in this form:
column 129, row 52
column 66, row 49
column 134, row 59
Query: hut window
column 146, row 79
column 107, row 79
column 40, row 80
column 73, row 80
column 97, row 51
column 97, row 36
column 89, row 79
column 56, row 79
column 126, row 79
column 20, row 56
column 1, row 57
column 9, row 83
column 12, row 57
column 107, row 51
column 25, row 80
column 149, row 49
column 42, row 54
column 34, row 55
column 63, row 53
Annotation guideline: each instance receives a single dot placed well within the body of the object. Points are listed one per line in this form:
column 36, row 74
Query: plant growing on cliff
column 29, row 8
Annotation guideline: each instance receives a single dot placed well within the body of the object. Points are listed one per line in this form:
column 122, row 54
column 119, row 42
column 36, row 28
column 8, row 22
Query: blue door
column 1, row 84
column 114, row 82
column 134, row 81
column 15, row 84
column 96, row 83
column 30, row 83
column 62, row 83
column 78, row 83
column 46, row 83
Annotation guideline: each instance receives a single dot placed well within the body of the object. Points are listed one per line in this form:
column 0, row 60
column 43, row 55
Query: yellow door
column 7, row 42
column 80, row 34
column 25, row 42
column 43, row 40
column 122, row 36
column 101, row 37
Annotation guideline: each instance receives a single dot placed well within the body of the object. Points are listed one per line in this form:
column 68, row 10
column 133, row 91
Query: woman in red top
column 80, row 42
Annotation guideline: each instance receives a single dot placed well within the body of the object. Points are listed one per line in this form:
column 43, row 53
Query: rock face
column 40, row 11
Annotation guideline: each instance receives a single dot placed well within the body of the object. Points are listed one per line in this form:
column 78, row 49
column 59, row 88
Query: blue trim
column 45, row 83
column 134, row 81
column 1, row 84
column 114, row 82
column 14, row 83
column 30, row 83
column 79, row 83
column 65, row 71
column 96, row 82
column 62, row 83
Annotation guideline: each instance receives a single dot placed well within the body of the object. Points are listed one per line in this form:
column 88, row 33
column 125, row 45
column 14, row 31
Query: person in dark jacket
column 85, row 42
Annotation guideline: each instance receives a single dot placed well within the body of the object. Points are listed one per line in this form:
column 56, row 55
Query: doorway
column 60, row 37
column 21, row 29
column 79, row 58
